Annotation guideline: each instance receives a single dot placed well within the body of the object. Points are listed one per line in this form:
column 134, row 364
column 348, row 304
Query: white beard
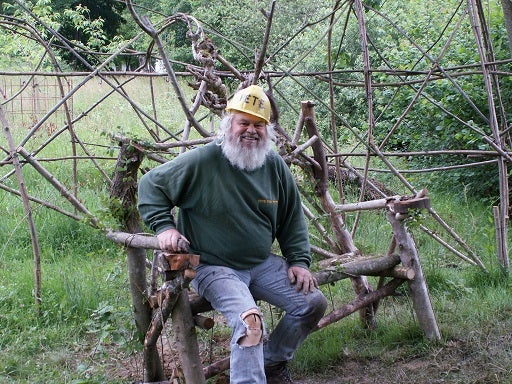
column 247, row 159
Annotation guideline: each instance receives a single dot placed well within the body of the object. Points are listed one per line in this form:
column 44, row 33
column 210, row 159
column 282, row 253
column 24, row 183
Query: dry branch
column 59, row 186
column 134, row 240
column 359, row 283
column 361, row 301
column 169, row 293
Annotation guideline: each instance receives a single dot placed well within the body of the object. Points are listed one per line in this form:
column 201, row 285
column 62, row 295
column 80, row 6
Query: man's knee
column 254, row 328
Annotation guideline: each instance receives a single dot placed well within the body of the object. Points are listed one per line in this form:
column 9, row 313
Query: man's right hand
column 173, row 241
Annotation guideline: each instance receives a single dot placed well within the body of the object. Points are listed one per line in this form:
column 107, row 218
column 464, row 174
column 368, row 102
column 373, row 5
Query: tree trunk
column 124, row 191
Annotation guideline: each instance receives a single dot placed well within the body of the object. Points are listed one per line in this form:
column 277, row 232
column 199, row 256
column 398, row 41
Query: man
column 235, row 197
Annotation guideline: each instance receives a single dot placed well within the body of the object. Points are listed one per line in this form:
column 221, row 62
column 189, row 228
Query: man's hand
column 303, row 278
column 173, row 241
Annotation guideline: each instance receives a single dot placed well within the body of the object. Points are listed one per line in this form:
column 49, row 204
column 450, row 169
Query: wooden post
column 417, row 286
column 124, row 189
column 186, row 341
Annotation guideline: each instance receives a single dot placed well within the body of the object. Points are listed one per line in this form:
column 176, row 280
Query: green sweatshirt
column 231, row 217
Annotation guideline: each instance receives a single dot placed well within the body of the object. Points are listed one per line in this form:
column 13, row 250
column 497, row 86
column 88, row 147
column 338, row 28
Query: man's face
column 247, row 142
column 248, row 130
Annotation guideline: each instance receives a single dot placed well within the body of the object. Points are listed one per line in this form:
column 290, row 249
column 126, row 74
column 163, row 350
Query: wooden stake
column 28, row 211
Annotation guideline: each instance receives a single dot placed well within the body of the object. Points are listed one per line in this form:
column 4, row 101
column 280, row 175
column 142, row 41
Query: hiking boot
column 278, row 374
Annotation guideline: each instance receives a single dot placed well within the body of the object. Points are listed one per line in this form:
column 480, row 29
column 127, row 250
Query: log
column 364, row 267
column 399, row 272
column 417, row 287
column 199, row 304
column 364, row 205
column 216, row 368
column 133, row 240
column 203, row 322
column 378, row 266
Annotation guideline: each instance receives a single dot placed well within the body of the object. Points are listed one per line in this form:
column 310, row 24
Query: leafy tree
column 426, row 126
column 19, row 48
column 90, row 23
column 507, row 12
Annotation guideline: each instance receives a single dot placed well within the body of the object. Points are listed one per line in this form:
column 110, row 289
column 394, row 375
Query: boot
column 279, row 374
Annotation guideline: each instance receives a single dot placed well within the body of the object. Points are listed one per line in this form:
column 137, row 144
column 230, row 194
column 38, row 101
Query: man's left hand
column 303, row 279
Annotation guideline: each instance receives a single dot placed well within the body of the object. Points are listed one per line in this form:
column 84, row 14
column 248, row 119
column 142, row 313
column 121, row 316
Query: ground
column 482, row 357
column 457, row 361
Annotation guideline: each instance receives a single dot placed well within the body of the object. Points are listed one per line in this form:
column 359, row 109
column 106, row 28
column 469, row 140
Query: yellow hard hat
column 252, row 100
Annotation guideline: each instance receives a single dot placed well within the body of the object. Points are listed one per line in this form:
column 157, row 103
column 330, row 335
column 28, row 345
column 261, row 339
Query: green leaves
column 90, row 30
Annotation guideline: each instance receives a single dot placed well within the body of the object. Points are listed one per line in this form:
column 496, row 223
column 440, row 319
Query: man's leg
column 227, row 291
column 270, row 283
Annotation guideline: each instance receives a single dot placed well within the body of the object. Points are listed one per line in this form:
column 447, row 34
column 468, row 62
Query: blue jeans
column 234, row 292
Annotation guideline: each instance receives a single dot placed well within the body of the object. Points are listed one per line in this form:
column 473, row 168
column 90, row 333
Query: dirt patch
column 480, row 358
column 455, row 362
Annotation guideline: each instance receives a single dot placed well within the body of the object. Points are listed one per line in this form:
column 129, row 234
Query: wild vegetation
column 83, row 331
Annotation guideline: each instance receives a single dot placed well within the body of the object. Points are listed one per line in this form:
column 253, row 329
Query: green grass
column 81, row 276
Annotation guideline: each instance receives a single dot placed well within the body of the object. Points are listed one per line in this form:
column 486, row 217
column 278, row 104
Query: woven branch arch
column 209, row 94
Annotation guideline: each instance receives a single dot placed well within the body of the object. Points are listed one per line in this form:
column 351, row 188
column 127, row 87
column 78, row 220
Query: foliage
column 460, row 124
column 91, row 25
column 20, row 49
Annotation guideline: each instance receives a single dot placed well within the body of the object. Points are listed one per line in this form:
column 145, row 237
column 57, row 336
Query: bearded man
column 236, row 196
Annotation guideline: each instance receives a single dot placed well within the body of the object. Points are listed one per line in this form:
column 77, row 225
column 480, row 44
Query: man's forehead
column 246, row 117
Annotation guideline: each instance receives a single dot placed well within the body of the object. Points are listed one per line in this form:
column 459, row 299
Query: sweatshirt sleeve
column 292, row 232
column 154, row 200
column 161, row 189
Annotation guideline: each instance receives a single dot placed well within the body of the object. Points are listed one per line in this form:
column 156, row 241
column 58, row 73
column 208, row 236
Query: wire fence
column 25, row 102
